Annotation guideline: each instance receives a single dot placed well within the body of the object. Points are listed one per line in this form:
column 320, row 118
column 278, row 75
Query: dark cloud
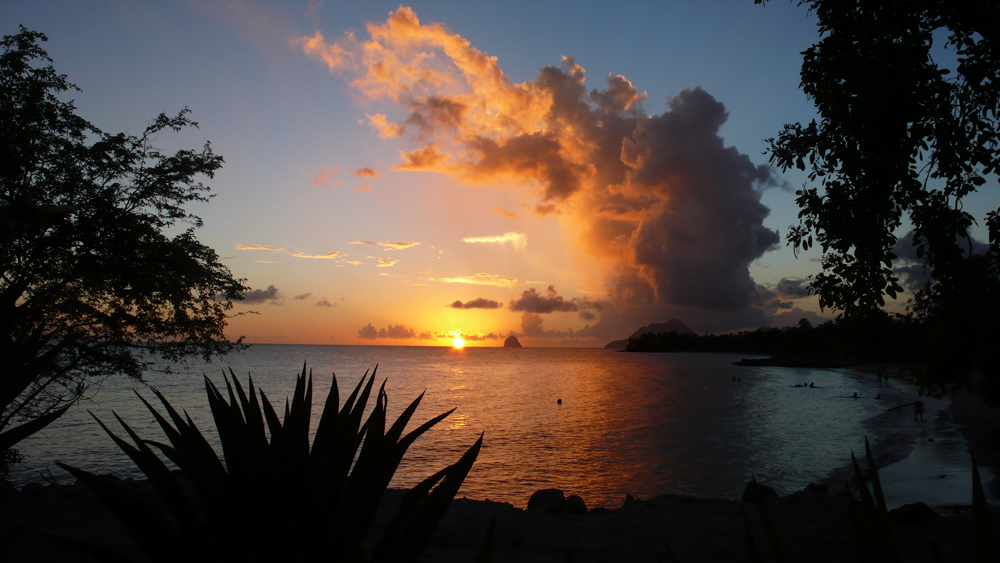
column 325, row 303
column 793, row 288
column 270, row 294
column 303, row 296
column 480, row 337
column 369, row 332
column 533, row 302
column 477, row 303
column 531, row 324
column 910, row 269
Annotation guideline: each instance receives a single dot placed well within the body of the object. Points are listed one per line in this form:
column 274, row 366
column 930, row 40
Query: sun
column 458, row 342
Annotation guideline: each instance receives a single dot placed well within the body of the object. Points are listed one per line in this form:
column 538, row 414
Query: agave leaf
column 859, row 534
column 984, row 538
column 155, row 534
column 158, row 474
column 22, row 431
column 273, row 422
column 486, row 550
column 773, row 540
column 328, row 419
column 867, row 503
column 414, row 535
column 251, row 413
column 876, row 483
column 400, row 425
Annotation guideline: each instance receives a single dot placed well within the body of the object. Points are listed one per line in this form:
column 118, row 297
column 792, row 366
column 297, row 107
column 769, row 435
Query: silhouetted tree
column 91, row 283
column 899, row 137
column 902, row 137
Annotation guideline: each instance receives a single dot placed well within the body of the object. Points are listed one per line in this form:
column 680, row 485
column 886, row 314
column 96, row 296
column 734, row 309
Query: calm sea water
column 640, row 424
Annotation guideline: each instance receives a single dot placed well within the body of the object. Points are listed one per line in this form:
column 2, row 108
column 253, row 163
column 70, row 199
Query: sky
column 565, row 172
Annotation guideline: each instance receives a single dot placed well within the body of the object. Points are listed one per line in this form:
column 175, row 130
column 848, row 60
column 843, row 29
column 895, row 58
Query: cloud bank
column 674, row 214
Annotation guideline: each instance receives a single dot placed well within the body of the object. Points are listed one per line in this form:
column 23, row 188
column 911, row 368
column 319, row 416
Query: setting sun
column 458, row 342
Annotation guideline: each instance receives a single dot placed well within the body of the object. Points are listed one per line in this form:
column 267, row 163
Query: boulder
column 912, row 513
column 815, row 489
column 575, row 505
column 755, row 492
column 552, row 501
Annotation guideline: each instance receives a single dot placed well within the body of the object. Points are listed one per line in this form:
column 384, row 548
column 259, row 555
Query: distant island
column 511, row 342
column 673, row 325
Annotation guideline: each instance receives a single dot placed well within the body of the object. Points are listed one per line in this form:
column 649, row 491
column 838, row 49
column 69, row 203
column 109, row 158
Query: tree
column 900, row 137
column 100, row 270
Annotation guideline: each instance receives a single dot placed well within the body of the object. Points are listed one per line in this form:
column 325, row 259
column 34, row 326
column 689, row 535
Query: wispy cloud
column 324, row 177
column 396, row 245
column 504, row 212
column 327, row 256
column 517, row 240
column 384, row 262
column 480, row 279
column 258, row 247
column 303, row 296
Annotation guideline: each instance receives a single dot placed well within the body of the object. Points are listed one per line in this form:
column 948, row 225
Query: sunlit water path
column 640, row 424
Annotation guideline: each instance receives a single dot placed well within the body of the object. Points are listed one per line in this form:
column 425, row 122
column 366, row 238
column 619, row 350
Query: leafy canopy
column 900, row 136
column 100, row 270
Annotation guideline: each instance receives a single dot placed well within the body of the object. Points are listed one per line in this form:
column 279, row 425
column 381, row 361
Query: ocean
column 597, row 423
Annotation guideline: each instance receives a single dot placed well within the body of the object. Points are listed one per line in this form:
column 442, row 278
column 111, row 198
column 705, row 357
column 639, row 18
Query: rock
column 816, row 489
column 552, row 501
column 755, row 492
column 629, row 501
column 33, row 488
column 575, row 505
column 511, row 342
column 912, row 513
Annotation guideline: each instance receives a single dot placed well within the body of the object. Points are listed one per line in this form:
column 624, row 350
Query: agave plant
column 273, row 496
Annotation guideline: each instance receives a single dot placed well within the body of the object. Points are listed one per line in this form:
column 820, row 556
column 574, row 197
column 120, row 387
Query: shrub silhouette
column 274, row 497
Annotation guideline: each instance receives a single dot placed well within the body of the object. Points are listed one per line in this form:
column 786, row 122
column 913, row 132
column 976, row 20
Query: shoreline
column 812, row 526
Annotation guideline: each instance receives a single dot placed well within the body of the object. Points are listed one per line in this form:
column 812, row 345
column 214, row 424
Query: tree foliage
column 100, row 269
column 900, row 137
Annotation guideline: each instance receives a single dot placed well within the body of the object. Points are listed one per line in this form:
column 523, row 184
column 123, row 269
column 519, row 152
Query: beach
column 811, row 526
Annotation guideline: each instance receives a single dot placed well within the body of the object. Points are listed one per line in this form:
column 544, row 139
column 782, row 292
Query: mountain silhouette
column 673, row 325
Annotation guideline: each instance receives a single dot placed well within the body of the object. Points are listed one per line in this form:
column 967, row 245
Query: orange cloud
column 396, row 245
column 366, row 172
column 517, row 240
column 327, row 256
column 674, row 213
column 480, row 279
column 258, row 247
column 504, row 213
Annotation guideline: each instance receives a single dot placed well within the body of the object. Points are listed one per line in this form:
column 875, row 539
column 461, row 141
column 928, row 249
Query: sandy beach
column 812, row 526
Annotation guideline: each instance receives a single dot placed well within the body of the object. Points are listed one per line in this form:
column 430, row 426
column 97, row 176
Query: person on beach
column 918, row 411
column 883, row 375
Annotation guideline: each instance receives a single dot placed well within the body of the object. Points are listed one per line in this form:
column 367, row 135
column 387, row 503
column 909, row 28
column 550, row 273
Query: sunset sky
column 563, row 171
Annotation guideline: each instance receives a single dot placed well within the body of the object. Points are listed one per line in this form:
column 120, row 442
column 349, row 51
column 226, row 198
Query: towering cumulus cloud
column 675, row 214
